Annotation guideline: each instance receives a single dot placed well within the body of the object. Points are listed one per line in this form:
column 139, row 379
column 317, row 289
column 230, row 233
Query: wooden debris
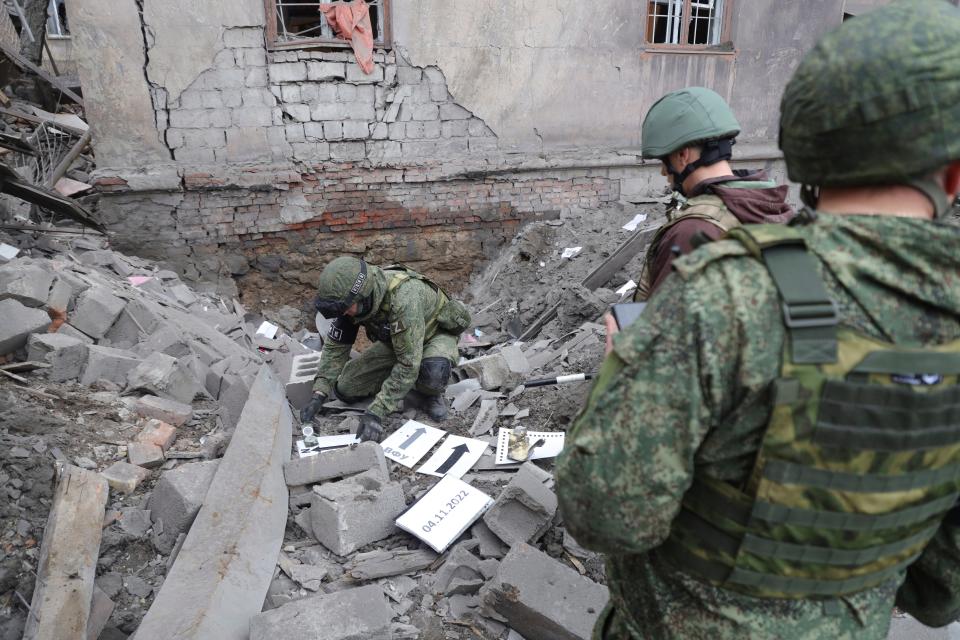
column 54, row 81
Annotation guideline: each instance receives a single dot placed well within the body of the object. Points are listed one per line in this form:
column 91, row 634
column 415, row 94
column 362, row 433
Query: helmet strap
column 713, row 152
column 934, row 192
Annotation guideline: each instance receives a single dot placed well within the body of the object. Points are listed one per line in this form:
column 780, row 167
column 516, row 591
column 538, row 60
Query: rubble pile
column 118, row 373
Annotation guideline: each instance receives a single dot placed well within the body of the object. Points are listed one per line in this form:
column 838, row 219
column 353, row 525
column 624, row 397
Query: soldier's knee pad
column 434, row 373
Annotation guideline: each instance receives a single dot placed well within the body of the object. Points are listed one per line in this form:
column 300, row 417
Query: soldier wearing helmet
column 415, row 327
column 692, row 132
column 773, row 449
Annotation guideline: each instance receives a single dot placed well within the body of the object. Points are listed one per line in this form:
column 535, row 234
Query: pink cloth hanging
column 352, row 22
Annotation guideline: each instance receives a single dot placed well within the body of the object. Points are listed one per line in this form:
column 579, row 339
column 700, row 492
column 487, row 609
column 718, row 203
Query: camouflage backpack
column 859, row 463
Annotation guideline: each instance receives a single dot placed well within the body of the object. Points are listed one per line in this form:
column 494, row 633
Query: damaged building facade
column 239, row 138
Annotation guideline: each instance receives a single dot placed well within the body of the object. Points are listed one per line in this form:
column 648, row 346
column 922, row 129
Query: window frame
column 273, row 44
column 722, row 47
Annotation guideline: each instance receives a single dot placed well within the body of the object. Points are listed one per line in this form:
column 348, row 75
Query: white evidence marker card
column 444, row 513
column 551, row 447
column 455, row 457
column 326, row 443
column 411, row 442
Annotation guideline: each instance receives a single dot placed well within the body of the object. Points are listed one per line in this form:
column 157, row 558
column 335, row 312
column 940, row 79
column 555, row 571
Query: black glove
column 310, row 411
column 370, row 427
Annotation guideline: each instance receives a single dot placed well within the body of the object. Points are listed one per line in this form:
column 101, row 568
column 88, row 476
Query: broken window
column 296, row 23
column 697, row 23
column 57, row 20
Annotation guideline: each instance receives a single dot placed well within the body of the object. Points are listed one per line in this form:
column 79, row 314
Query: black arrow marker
column 455, row 456
column 413, row 437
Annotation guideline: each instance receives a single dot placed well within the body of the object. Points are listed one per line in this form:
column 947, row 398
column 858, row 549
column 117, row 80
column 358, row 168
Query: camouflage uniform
column 411, row 322
column 687, row 392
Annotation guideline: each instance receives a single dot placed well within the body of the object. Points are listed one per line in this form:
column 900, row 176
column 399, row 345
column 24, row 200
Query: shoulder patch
column 698, row 260
column 397, row 326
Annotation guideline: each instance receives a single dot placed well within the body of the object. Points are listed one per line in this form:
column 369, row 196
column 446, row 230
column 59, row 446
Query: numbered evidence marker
column 455, row 457
column 551, row 447
column 411, row 442
column 445, row 512
column 325, row 443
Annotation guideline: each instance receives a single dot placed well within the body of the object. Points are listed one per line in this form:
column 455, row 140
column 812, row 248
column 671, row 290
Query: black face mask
column 330, row 309
column 364, row 306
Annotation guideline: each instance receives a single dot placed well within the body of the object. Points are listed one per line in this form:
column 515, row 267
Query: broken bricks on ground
column 245, row 535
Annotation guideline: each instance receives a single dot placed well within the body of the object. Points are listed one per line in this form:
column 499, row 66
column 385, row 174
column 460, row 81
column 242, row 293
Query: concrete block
column 251, row 117
column 359, row 510
column 18, row 323
column 325, row 71
column 355, row 130
column 525, row 508
column 459, row 575
column 451, row 111
column 350, row 614
column 356, row 74
column 73, row 332
column 65, row 355
column 176, row 500
column 337, row 463
column 543, row 599
column 96, row 311
column 225, row 566
column 61, row 293
column 26, row 283
column 288, row 72
column 164, row 376
column 145, row 454
column 134, row 322
column 300, row 385
column 333, row 130
column 299, row 112
column 158, row 433
column 409, row 75
column 108, row 364
column 169, row 411
column 124, row 477
column 383, row 564
column 515, row 359
column 492, row 371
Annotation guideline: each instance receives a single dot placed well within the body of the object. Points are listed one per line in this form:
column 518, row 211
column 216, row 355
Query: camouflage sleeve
column 336, row 354
column 407, row 330
column 931, row 592
column 630, row 455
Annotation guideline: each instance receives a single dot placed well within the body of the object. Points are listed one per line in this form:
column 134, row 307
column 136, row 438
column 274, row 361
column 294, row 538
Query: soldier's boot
column 431, row 383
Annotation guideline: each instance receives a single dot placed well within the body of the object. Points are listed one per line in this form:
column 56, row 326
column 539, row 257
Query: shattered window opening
column 57, row 19
column 687, row 23
column 297, row 23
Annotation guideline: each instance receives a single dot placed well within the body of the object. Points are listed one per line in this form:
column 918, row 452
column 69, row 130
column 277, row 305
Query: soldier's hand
column 310, row 411
column 612, row 330
column 370, row 428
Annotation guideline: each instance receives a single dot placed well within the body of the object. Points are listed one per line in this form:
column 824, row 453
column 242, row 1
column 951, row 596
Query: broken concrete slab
column 226, row 564
column 460, row 573
column 69, row 330
column 382, row 563
column 542, row 598
column 492, row 371
column 169, row 411
column 359, row 510
column 18, row 323
column 100, row 609
column 525, row 508
column 97, row 309
column 336, row 463
column 107, row 363
column 164, row 376
column 65, row 581
column 124, row 477
column 176, row 500
column 302, row 373
column 66, row 356
column 144, row 454
column 486, row 418
column 350, row 614
column 28, row 284
column 490, row 545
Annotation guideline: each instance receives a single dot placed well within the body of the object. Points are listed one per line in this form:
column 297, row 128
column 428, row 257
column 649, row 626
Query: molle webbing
column 858, row 465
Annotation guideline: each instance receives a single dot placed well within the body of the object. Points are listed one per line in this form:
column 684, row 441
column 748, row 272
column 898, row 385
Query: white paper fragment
column 326, row 443
column 444, row 513
column 411, row 442
column 627, row 288
column 455, row 456
column 637, row 219
column 551, row 448
column 571, row 252
column 268, row 330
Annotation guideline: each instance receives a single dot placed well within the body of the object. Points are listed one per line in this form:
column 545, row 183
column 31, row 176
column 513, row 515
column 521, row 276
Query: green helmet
column 686, row 117
column 344, row 280
column 877, row 101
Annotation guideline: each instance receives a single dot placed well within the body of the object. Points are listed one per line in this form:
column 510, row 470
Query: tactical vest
column 449, row 315
column 706, row 207
column 858, row 465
